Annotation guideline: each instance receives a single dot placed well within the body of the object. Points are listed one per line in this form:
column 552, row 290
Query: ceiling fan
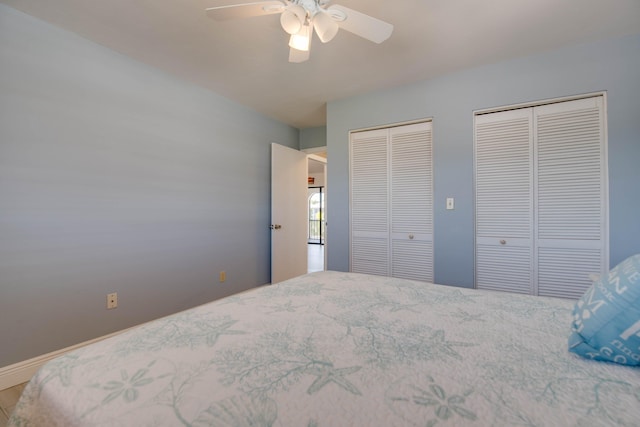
column 300, row 18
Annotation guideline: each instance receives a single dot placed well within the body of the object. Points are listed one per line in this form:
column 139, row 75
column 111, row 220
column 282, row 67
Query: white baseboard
column 21, row 372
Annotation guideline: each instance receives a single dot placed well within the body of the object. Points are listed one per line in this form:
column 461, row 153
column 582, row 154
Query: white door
column 541, row 204
column 570, row 184
column 288, row 213
column 411, row 202
column 392, row 202
column 504, row 201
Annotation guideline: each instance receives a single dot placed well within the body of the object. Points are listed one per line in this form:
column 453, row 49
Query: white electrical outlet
column 112, row 300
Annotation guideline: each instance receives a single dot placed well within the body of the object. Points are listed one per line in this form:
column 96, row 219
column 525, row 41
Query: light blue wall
column 612, row 66
column 313, row 137
column 116, row 177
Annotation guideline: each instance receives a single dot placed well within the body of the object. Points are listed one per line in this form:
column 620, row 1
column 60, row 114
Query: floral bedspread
column 336, row 349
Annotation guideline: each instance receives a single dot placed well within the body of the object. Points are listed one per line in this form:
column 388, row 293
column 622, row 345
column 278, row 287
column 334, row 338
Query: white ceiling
column 247, row 61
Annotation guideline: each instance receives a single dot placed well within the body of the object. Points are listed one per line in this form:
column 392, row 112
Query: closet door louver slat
column 411, row 183
column 412, row 260
column 369, row 255
column 501, row 268
column 569, row 175
column 369, row 203
column 565, row 272
column 503, row 175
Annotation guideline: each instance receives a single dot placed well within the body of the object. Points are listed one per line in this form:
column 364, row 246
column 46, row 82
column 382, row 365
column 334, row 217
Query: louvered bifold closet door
column 504, row 201
column 411, row 202
column 570, row 178
column 369, row 202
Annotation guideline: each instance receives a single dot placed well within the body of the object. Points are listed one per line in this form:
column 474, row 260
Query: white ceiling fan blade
column 298, row 56
column 360, row 24
column 245, row 10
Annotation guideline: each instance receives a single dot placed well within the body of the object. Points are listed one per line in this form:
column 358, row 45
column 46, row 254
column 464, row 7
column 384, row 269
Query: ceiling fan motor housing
column 311, row 6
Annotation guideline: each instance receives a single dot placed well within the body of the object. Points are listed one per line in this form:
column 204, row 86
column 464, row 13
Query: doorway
column 316, row 208
column 315, row 235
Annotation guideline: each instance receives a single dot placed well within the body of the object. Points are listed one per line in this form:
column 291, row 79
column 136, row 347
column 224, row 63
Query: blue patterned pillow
column 606, row 320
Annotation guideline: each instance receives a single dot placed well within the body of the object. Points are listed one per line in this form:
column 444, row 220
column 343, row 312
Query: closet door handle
column 503, row 242
column 410, row 236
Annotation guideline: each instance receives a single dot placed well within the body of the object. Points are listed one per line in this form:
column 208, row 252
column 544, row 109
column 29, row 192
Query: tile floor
column 8, row 400
column 315, row 259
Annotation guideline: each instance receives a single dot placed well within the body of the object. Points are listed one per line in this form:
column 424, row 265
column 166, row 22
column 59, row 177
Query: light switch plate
column 450, row 203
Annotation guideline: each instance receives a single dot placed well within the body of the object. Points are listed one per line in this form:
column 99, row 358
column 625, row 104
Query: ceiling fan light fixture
column 302, row 39
column 299, row 18
column 292, row 19
column 325, row 26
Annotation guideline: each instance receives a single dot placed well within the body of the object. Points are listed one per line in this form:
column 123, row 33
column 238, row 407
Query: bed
column 335, row 349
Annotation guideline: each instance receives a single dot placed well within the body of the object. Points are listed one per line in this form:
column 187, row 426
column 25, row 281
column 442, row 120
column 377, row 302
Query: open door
column 288, row 213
